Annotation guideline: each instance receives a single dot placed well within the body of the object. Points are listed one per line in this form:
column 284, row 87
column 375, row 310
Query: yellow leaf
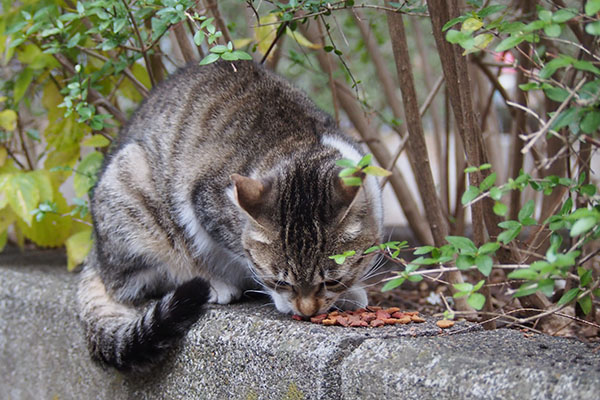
column 96, row 141
column 242, row 42
column 44, row 184
column 301, row 40
column 4, row 178
column 78, row 247
column 480, row 42
column 3, row 240
column 7, row 217
column 471, row 25
column 23, row 195
column 51, row 98
column 141, row 75
column 8, row 120
column 3, row 154
column 54, row 229
column 265, row 33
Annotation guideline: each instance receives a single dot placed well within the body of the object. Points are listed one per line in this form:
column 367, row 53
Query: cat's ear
column 347, row 193
column 250, row 194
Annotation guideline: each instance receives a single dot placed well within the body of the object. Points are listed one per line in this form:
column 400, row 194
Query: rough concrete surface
column 248, row 351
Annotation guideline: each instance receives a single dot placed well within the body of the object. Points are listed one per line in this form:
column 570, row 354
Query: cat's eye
column 283, row 285
column 332, row 283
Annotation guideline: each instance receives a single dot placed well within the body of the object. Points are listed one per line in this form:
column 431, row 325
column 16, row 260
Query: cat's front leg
column 353, row 298
column 223, row 292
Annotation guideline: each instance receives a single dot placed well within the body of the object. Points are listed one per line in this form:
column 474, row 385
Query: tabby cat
column 223, row 180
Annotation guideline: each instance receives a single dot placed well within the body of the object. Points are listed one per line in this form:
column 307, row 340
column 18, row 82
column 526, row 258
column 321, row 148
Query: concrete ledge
column 247, row 351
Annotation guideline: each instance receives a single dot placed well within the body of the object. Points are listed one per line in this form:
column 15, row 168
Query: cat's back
column 212, row 102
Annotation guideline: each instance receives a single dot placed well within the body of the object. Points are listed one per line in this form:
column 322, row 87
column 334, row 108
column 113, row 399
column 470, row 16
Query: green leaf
column 352, row 181
column 589, row 190
column 552, row 66
column 347, row 172
column 556, row 94
column 453, row 22
column 566, row 118
column 423, row 250
column 346, row 163
column 489, row 247
column 476, row 300
column 509, row 234
column 366, row 160
column 488, row 182
column 527, row 210
column 509, row 43
column 527, row 274
column 490, row 10
column 85, row 177
column 569, row 296
column 209, row 59
column 22, row 83
column 394, row 283
column 586, row 304
column 500, row 209
column 583, row 225
column 553, row 30
column 593, row 28
column 484, row 264
column 464, row 262
column 376, row 171
column 592, row 7
column 584, row 65
column 545, row 15
column 462, row 243
column 495, row 193
column 585, row 276
column 563, row 15
column 463, row 286
column 590, row 122
column 546, row 286
column 470, row 194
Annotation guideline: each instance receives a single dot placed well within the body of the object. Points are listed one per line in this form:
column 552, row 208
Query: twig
column 278, row 35
column 141, row 42
column 546, row 127
column 94, row 95
column 23, row 143
column 127, row 72
column 214, row 8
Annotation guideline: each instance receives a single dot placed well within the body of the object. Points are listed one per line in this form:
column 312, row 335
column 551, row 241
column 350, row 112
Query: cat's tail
column 131, row 339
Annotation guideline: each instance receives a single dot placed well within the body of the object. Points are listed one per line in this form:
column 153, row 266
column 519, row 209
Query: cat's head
column 296, row 220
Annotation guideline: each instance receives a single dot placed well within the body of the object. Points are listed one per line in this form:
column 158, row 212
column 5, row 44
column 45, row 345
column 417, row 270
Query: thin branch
column 536, row 135
column 141, row 43
column 127, row 72
column 214, row 8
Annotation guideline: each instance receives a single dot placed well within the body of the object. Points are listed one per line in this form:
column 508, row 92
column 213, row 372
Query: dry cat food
column 369, row 316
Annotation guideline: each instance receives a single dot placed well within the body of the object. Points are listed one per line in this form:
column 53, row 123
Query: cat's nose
column 307, row 306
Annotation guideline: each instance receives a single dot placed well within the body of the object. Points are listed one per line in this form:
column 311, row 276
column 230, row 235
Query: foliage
column 73, row 72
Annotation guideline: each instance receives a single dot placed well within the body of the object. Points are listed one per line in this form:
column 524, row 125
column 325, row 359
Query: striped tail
column 132, row 340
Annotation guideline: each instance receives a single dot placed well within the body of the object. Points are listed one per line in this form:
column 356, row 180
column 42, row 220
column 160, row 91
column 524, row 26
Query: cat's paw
column 353, row 298
column 223, row 293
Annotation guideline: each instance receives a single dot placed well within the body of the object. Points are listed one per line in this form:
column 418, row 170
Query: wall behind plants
column 526, row 74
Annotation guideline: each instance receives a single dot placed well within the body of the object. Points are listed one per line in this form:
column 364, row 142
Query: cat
column 223, row 180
